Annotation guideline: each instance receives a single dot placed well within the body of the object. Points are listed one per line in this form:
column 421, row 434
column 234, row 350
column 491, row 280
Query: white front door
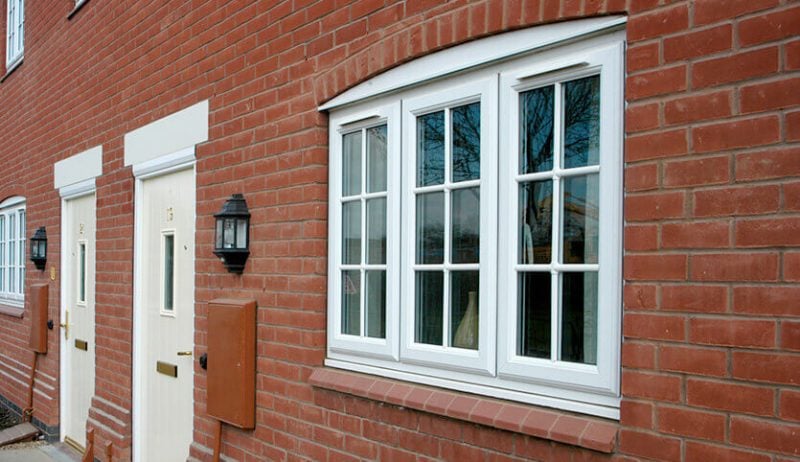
column 77, row 317
column 165, row 316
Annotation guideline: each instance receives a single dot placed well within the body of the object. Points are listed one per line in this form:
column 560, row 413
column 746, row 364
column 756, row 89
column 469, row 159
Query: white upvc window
column 12, row 252
column 15, row 32
column 476, row 221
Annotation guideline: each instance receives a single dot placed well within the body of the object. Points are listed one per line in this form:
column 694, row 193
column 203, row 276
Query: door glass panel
column 351, row 233
column 82, row 272
column 351, row 302
column 581, row 214
column 466, row 147
column 534, row 315
column 430, row 228
column 351, row 164
column 376, row 303
column 536, row 130
column 430, row 149
column 2, row 253
column 376, row 231
column 465, row 310
column 582, row 122
column 536, row 227
column 376, row 159
column 429, row 307
column 466, row 223
column 12, row 257
column 169, row 272
column 579, row 318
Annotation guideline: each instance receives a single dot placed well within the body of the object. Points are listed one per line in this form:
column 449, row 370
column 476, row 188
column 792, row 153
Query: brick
column 658, row 23
column 639, row 296
column 769, row 96
column 792, row 126
column 730, row 396
column 790, row 335
column 789, row 405
column 706, row 106
column 658, row 206
column 655, row 267
column 657, row 82
column 641, row 177
column 733, row 332
column 638, row 355
column 660, row 387
column 650, row 446
column 657, row 145
column 791, row 196
column 734, row 267
column 739, row 134
column 792, row 55
column 694, row 298
column 695, row 235
column 636, row 414
column 766, row 300
column 769, row 27
column 700, row 43
column 791, row 266
column 767, row 367
column 777, row 232
column 695, row 424
column 709, row 11
column 641, row 118
column 693, row 360
column 772, row 436
column 735, row 68
column 644, row 237
column 641, row 57
column 702, row 452
column 740, row 200
column 694, row 172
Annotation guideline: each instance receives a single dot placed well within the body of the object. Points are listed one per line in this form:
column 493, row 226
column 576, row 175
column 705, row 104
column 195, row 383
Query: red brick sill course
column 12, row 311
column 587, row 432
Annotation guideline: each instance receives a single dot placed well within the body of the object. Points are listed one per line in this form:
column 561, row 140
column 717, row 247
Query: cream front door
column 77, row 317
column 165, row 319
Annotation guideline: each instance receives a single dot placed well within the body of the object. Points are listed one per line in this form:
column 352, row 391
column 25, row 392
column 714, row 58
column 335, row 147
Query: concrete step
column 21, row 432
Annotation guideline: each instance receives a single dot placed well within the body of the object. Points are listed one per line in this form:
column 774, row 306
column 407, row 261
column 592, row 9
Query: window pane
column 581, row 205
column 376, row 304
column 376, row 231
column 536, row 130
column 351, row 302
column 430, row 149
column 430, row 228
column 429, row 307
column 582, row 122
column 351, row 233
column 351, row 164
column 466, row 142
column 466, row 221
column 376, row 159
column 534, row 314
column 579, row 318
column 464, row 309
column 82, row 272
column 536, row 222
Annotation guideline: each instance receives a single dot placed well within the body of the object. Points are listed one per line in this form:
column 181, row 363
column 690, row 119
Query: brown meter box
column 232, row 361
column 39, row 300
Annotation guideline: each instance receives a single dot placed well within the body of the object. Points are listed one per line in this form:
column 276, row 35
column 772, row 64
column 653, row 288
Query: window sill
column 12, row 311
column 77, row 8
column 587, row 432
column 11, row 69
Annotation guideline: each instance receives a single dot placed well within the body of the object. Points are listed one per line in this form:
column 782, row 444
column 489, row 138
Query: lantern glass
column 218, row 236
column 229, row 234
column 241, row 233
column 42, row 247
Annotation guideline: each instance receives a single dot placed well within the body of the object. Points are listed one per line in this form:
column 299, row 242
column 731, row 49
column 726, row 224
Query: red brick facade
column 711, row 347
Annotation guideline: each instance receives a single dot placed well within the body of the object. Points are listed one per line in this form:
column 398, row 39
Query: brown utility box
column 39, row 297
column 232, row 361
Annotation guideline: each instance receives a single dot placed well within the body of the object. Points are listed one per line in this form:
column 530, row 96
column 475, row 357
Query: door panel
column 78, row 349
column 166, row 310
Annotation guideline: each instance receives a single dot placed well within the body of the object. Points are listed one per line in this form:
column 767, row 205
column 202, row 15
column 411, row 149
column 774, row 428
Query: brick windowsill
column 587, row 432
column 12, row 311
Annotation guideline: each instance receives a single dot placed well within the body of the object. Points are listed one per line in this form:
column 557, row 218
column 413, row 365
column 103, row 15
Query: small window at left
column 15, row 32
column 12, row 251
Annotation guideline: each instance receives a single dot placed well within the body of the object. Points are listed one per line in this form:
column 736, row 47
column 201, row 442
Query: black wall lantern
column 232, row 236
column 39, row 248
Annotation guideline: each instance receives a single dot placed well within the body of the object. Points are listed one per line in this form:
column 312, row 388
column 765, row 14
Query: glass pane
column 581, row 205
column 82, row 272
column 534, row 313
column 351, row 302
column 464, row 309
column 429, row 307
column 579, row 318
column 376, row 231
column 351, row 233
column 430, row 228
column 218, row 242
column 376, row 303
column 229, row 233
column 582, row 122
column 466, row 221
column 430, row 149
column 241, row 233
column 169, row 271
column 351, row 164
column 466, row 142
column 536, row 222
column 536, row 130
column 376, row 159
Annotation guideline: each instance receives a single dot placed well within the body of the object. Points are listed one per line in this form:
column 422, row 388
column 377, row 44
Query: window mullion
column 447, row 231
column 364, row 239
column 555, row 286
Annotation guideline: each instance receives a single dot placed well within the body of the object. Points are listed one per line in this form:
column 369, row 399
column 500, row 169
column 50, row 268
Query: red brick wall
column 711, row 352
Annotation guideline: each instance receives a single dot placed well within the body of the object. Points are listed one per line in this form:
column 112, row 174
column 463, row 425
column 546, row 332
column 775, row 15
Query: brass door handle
column 185, row 353
column 65, row 325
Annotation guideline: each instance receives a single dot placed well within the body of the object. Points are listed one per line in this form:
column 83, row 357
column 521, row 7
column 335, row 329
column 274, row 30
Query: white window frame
column 396, row 98
column 13, row 207
column 15, row 32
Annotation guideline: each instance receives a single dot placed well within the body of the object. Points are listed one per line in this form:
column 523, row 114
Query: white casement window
column 15, row 32
column 476, row 219
column 12, row 252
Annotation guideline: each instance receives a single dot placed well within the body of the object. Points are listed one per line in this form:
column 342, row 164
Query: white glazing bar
column 555, row 255
column 448, row 226
column 362, row 311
